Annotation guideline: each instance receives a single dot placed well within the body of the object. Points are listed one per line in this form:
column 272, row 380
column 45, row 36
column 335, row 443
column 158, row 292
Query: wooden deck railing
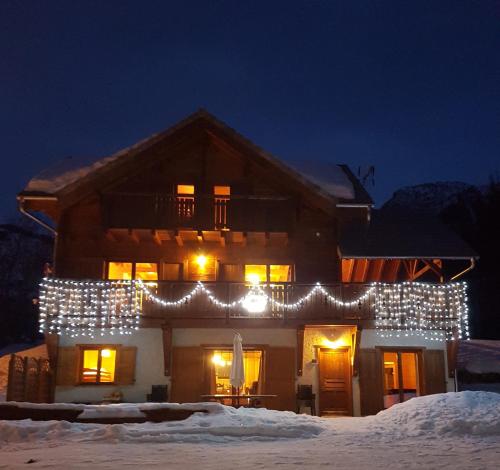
column 200, row 212
column 318, row 306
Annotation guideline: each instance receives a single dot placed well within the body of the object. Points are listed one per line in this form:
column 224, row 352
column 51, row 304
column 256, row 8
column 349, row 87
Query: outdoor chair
column 159, row 393
column 306, row 398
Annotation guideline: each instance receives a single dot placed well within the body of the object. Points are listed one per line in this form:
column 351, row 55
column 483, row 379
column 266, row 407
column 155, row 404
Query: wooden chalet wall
column 204, row 160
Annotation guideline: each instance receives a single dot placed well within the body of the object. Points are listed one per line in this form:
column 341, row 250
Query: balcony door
column 335, row 395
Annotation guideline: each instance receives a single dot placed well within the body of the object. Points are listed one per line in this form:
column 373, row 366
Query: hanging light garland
column 83, row 308
column 435, row 312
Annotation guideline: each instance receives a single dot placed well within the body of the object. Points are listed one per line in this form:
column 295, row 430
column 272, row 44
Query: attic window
column 185, row 201
column 221, row 198
column 185, row 189
column 222, row 191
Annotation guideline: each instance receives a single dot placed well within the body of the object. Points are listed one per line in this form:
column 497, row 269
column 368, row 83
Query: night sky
column 410, row 87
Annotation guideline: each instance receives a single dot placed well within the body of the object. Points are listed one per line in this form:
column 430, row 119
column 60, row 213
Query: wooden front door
column 335, row 382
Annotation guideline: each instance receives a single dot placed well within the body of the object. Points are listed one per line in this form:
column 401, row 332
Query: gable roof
column 338, row 184
column 405, row 236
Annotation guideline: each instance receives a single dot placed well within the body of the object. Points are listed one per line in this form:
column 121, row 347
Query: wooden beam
column 110, row 236
column 347, row 268
column 355, row 359
column 436, row 269
column 420, row 272
column 178, row 239
column 133, row 235
column 222, row 238
column 360, row 270
column 300, row 349
column 391, row 270
column 375, row 271
column 156, row 237
column 167, row 348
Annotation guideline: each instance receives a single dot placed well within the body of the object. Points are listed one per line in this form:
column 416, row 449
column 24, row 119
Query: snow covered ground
column 454, row 430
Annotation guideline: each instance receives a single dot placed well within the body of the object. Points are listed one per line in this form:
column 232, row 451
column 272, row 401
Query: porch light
column 338, row 343
column 201, row 261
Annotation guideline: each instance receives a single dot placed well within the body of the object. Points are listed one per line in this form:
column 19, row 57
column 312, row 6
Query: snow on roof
column 328, row 176
column 71, row 169
column 479, row 356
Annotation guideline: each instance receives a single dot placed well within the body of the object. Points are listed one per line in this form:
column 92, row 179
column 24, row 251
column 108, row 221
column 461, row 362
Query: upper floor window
column 185, row 201
column 221, row 197
column 129, row 270
column 262, row 273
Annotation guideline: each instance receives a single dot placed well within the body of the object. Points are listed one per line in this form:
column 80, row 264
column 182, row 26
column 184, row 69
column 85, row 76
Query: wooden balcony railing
column 317, row 307
column 166, row 211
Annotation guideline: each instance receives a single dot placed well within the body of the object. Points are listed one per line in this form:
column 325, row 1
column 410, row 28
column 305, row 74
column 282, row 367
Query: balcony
column 435, row 311
column 200, row 212
column 318, row 307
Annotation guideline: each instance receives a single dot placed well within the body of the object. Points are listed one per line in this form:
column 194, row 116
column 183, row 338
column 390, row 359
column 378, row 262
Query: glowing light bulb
column 201, row 261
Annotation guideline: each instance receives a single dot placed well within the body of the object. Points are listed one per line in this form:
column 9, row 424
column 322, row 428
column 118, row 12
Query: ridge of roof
column 72, row 179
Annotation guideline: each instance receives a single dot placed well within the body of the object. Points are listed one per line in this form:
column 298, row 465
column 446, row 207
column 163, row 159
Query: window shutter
column 67, row 366
column 434, row 372
column 126, row 365
column 188, row 375
column 280, row 378
column 370, row 381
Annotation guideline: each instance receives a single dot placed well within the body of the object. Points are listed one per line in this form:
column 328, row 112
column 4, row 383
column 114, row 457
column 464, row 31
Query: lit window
column 222, row 191
column 98, row 365
column 201, row 267
column 119, row 270
column 255, row 273
column 146, row 271
column 280, row 273
column 185, row 201
column 221, row 361
column 221, row 199
column 185, row 189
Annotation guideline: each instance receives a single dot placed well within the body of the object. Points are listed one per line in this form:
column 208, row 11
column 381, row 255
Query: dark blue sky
column 410, row 87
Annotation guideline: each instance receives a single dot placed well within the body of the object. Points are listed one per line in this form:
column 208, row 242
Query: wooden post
column 167, row 348
column 300, row 349
column 10, row 377
column 355, row 362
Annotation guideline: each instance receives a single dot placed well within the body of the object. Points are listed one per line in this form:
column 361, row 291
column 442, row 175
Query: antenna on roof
column 366, row 175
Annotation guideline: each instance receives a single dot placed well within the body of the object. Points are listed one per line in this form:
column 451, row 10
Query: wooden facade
column 131, row 211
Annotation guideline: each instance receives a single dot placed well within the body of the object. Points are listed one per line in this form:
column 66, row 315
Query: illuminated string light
column 82, row 308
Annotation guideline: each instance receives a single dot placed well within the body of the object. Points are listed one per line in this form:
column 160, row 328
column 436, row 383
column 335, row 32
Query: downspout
column 34, row 218
column 466, row 270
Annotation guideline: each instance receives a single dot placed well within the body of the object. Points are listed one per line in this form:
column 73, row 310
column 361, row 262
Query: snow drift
column 434, row 416
column 474, row 413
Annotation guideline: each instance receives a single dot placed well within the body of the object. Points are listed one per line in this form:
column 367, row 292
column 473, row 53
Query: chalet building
column 166, row 249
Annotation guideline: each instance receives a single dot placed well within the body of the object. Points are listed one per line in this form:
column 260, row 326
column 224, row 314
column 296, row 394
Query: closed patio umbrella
column 237, row 375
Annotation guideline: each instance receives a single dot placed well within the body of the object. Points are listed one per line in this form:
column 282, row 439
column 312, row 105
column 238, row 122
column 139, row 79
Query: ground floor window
column 401, row 376
column 222, row 360
column 98, row 364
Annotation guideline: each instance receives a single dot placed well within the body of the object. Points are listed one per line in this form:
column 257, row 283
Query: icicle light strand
column 84, row 308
